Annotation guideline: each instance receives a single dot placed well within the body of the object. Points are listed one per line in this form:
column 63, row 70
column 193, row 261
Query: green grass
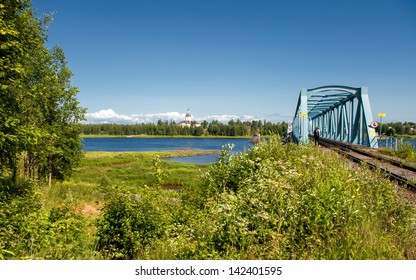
column 59, row 222
column 406, row 136
column 271, row 202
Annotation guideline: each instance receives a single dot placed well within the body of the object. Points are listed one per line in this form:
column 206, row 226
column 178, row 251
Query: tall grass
column 291, row 202
column 60, row 222
column 279, row 202
column 271, row 202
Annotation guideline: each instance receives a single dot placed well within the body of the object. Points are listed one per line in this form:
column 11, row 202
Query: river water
column 167, row 144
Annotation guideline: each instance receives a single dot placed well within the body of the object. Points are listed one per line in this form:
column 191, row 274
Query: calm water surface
column 166, row 144
column 172, row 144
column 391, row 143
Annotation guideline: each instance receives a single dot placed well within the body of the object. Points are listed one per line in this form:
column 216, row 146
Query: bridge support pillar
column 303, row 114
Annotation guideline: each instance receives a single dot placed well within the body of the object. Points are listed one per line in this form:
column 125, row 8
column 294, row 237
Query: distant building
column 255, row 139
column 188, row 121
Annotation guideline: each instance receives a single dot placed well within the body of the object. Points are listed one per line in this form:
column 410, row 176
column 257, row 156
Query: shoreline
column 161, row 154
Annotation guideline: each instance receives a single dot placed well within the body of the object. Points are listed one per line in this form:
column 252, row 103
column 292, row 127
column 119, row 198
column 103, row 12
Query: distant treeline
column 393, row 129
column 170, row 128
column 216, row 128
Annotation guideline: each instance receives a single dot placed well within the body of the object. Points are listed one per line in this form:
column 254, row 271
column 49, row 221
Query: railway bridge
column 343, row 113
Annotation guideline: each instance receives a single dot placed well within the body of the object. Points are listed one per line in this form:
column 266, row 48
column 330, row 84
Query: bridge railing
column 390, row 142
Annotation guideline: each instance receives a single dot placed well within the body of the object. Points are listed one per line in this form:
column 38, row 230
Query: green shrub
column 406, row 151
column 273, row 201
column 18, row 225
column 131, row 222
column 295, row 202
column 28, row 231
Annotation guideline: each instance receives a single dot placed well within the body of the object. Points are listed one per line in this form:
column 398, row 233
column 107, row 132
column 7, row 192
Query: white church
column 188, row 121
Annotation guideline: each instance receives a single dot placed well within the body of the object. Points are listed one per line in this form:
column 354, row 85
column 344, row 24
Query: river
column 166, row 144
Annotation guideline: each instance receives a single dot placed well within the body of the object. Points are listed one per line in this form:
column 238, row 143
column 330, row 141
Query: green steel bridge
column 342, row 113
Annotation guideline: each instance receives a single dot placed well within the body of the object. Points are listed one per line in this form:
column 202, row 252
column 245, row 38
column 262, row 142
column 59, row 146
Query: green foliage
column 271, row 202
column 39, row 136
column 405, row 151
column 290, row 202
column 158, row 173
column 392, row 129
column 39, row 113
column 131, row 223
column 29, row 231
column 165, row 128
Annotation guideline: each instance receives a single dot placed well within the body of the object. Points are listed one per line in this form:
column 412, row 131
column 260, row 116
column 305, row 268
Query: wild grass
column 131, row 170
column 405, row 151
column 271, row 202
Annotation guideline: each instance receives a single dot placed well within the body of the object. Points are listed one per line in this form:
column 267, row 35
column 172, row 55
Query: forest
column 171, row 128
column 398, row 128
column 39, row 111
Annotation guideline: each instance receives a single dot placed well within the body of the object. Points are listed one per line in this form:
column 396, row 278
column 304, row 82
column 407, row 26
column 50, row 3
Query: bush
column 295, row 202
column 129, row 223
column 28, row 231
column 406, row 151
column 273, row 201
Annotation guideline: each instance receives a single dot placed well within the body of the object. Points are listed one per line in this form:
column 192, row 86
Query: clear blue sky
column 140, row 59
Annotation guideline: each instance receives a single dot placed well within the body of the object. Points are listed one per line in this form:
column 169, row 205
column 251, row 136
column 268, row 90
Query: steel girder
column 342, row 113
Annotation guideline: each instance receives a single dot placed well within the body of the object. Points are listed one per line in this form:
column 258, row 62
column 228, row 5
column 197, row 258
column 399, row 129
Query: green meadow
column 128, row 170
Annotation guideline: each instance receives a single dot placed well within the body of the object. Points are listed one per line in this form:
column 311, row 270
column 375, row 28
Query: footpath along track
column 397, row 171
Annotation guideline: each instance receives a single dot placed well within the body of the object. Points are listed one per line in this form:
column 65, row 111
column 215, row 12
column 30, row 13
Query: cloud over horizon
column 109, row 116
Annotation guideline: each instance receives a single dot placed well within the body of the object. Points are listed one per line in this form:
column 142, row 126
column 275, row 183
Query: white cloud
column 149, row 118
column 227, row 118
column 109, row 116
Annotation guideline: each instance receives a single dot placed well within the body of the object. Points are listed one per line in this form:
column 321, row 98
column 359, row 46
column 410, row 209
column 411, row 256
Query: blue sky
column 141, row 60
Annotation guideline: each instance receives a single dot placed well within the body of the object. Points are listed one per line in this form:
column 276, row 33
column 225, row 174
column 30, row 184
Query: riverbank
column 406, row 137
column 149, row 155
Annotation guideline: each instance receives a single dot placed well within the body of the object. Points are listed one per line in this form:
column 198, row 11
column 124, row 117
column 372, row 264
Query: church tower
column 188, row 121
column 188, row 117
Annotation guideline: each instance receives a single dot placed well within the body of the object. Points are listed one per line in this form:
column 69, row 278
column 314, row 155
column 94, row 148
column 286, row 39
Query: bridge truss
column 342, row 113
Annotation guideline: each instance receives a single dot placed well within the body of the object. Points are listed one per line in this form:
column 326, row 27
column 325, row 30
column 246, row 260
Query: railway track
column 395, row 170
